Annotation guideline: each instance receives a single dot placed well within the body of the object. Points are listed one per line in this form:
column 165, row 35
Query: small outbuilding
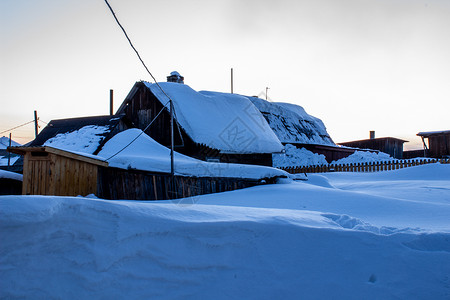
column 51, row 171
column 390, row 145
column 438, row 143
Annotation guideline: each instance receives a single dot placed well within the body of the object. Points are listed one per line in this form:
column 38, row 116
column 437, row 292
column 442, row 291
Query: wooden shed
column 438, row 143
column 51, row 171
column 389, row 145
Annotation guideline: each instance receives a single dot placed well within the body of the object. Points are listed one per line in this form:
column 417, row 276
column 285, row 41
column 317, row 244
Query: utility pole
column 232, row 80
column 111, row 102
column 9, row 153
column 266, row 92
column 172, row 171
column 36, row 126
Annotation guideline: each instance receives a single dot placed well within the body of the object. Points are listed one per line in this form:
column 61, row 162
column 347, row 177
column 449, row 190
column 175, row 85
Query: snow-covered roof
column 10, row 175
column 4, row 142
column 86, row 139
column 292, row 124
column 227, row 122
column 148, row 155
column 84, row 134
column 427, row 133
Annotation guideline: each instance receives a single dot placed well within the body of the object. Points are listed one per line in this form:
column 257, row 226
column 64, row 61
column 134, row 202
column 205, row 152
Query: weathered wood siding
column 52, row 174
column 439, row 145
column 391, row 146
column 139, row 185
column 141, row 107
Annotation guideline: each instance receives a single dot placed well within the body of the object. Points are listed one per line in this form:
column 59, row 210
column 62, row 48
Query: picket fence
column 365, row 167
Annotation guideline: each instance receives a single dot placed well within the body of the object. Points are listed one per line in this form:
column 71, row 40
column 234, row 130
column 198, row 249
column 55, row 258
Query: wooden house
column 389, row 145
column 292, row 125
column 438, row 143
column 50, row 171
column 93, row 132
column 207, row 126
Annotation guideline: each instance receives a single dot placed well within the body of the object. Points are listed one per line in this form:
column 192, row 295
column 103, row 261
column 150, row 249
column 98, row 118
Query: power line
column 139, row 133
column 154, row 79
column 137, row 53
column 17, row 127
column 156, row 82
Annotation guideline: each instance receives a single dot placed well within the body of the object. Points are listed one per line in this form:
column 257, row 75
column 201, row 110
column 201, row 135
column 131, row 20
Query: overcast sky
column 358, row 65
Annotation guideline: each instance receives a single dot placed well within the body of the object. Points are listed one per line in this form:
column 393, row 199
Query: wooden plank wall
column 439, row 145
column 138, row 185
column 50, row 174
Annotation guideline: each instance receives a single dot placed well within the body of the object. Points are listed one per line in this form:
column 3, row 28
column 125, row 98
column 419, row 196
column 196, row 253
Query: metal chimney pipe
column 372, row 134
column 111, row 102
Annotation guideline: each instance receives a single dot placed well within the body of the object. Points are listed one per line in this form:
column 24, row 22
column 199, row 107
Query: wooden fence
column 365, row 167
column 142, row 185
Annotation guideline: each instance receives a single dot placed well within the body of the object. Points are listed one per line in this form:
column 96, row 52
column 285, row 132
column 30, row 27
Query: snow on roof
column 86, row 140
column 148, row 155
column 10, row 175
column 4, row 160
column 292, row 124
column 4, row 142
column 427, row 133
column 227, row 122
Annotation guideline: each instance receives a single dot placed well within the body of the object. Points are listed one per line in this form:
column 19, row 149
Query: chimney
column 111, row 102
column 175, row 77
column 372, row 134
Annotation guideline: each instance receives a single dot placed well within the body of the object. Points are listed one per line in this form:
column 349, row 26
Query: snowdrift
column 133, row 149
column 330, row 237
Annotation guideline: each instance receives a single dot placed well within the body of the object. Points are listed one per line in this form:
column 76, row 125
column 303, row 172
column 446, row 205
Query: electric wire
column 137, row 53
column 162, row 109
column 17, row 127
column 148, row 71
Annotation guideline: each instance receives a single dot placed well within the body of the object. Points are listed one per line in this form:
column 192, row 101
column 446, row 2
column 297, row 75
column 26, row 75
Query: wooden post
column 232, row 80
column 36, row 126
column 111, row 102
column 172, row 171
column 9, row 153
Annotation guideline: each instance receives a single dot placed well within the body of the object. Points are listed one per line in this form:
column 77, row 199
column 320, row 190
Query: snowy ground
column 337, row 236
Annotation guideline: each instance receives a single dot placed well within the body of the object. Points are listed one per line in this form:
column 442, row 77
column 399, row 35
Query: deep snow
column 381, row 235
column 133, row 149
column 228, row 122
column 292, row 124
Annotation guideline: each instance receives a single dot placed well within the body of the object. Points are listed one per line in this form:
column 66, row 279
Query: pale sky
column 358, row 65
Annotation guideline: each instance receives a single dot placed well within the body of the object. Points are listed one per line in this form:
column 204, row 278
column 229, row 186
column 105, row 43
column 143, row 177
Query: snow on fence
column 365, row 167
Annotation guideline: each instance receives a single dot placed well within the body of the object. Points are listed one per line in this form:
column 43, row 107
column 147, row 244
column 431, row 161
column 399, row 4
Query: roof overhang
column 46, row 149
column 433, row 133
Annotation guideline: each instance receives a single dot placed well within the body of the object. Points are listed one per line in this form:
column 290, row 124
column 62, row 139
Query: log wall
column 140, row 185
